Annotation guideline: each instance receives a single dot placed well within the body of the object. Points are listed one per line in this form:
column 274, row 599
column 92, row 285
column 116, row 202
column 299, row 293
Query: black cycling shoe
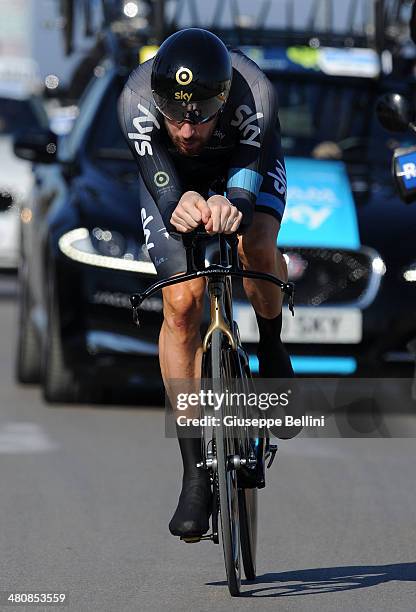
column 191, row 518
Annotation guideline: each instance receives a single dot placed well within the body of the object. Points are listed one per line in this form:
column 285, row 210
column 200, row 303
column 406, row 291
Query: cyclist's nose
column 187, row 130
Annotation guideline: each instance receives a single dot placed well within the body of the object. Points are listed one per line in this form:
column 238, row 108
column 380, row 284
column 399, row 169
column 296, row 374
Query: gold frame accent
column 218, row 322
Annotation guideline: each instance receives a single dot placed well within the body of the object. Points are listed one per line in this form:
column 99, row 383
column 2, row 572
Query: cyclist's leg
column 258, row 251
column 180, row 352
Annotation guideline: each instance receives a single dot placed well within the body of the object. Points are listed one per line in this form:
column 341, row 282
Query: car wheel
column 59, row 384
column 27, row 367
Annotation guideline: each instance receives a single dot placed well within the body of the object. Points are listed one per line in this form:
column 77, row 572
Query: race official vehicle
column 346, row 236
column 347, row 240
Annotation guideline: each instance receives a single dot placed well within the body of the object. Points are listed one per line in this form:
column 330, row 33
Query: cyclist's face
column 188, row 138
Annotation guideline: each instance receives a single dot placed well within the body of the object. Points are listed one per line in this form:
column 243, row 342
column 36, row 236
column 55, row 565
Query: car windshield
column 106, row 146
column 107, row 140
column 323, row 118
column 16, row 115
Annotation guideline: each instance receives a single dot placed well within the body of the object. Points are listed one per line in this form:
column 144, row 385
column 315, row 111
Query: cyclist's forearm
column 246, row 207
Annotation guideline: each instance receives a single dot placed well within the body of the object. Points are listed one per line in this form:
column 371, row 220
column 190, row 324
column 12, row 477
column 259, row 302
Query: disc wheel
column 248, row 530
column 227, row 478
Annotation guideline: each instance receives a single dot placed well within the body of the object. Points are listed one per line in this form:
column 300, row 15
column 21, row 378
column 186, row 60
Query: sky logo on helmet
column 184, row 76
column 183, row 95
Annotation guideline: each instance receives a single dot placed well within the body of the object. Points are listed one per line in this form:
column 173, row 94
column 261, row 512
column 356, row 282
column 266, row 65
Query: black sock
column 274, row 360
column 191, row 452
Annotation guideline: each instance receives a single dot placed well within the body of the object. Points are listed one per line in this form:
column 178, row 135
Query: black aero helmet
column 191, row 76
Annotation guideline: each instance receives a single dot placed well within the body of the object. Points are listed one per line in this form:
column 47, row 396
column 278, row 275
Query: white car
column 16, row 177
column 20, row 109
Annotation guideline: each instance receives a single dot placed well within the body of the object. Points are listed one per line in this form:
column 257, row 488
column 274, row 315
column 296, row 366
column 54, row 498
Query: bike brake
column 135, row 301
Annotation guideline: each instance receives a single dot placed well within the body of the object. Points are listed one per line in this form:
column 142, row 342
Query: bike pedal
column 271, row 454
column 191, row 540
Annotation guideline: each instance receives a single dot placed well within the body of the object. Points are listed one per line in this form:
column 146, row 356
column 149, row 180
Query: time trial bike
column 235, row 455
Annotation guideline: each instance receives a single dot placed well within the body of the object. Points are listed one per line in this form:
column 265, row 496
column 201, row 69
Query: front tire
column 248, row 530
column 27, row 366
column 227, row 480
column 59, row 384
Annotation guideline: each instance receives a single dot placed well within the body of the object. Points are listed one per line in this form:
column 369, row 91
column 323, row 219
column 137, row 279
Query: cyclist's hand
column 225, row 218
column 191, row 211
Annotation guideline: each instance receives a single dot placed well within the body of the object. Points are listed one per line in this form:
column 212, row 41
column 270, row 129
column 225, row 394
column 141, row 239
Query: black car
column 347, row 239
column 82, row 256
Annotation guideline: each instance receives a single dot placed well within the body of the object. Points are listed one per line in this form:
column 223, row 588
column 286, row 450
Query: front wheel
column 227, row 478
column 247, row 499
column 59, row 384
column 27, row 366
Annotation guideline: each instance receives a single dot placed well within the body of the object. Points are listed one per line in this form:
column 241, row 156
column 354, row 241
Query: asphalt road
column 86, row 494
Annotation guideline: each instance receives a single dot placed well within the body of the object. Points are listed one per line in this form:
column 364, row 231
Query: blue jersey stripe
column 243, row 178
column 267, row 199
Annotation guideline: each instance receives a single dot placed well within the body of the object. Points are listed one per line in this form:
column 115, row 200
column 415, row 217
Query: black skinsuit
column 243, row 157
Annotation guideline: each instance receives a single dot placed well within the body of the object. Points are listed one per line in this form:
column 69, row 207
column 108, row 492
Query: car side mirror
column 394, row 112
column 37, row 145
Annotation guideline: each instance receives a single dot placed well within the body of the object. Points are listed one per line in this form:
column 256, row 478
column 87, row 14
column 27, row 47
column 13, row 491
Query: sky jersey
column 243, row 158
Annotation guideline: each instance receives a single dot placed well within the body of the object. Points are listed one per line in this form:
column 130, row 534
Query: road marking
column 22, row 437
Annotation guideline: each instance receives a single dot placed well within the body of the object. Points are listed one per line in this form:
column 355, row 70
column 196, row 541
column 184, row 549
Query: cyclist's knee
column 182, row 308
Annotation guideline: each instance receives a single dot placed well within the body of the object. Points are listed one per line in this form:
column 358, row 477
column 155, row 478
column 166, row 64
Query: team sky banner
column 319, row 203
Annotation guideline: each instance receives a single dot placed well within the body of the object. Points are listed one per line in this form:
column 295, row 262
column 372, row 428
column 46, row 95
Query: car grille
column 333, row 276
column 326, row 277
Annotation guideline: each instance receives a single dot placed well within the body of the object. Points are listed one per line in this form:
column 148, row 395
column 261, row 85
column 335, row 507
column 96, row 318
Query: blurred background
column 87, row 487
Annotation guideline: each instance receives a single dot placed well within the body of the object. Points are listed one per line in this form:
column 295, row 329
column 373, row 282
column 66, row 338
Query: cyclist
column 202, row 121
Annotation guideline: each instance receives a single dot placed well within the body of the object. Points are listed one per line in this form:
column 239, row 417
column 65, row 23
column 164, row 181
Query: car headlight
column 409, row 274
column 378, row 265
column 105, row 249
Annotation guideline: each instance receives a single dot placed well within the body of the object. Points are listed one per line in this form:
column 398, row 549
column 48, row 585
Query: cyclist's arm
column 257, row 124
column 141, row 125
